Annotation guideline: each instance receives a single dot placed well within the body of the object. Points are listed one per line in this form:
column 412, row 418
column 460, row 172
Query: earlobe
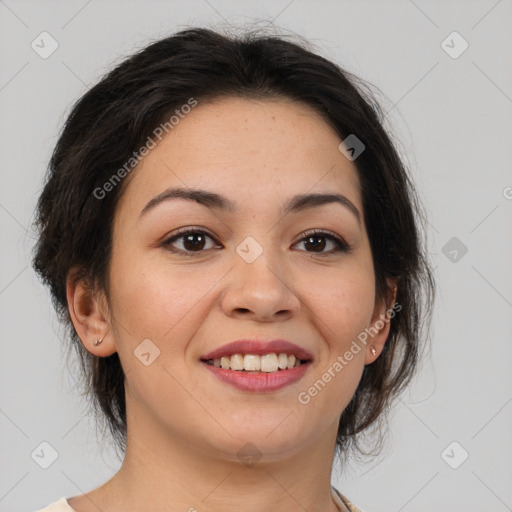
column 87, row 312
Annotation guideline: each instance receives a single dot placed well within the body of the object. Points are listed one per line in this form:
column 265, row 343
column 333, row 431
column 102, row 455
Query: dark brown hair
column 109, row 123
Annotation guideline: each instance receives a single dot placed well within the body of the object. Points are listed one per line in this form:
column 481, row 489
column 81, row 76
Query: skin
column 185, row 426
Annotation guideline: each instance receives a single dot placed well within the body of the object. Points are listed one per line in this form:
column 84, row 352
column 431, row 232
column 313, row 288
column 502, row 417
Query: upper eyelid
column 185, row 231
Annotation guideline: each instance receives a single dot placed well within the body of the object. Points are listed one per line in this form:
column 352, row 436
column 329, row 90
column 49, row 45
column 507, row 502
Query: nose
column 261, row 291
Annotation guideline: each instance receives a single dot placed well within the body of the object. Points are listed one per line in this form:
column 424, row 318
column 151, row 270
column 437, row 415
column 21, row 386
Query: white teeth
column 267, row 363
column 252, row 362
column 282, row 361
column 237, row 362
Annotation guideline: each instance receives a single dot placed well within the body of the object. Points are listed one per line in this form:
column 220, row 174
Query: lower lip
column 261, row 381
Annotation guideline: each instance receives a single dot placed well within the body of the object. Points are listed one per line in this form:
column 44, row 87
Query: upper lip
column 253, row 346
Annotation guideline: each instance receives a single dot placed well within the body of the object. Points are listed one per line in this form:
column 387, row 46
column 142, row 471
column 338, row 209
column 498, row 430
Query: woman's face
column 250, row 272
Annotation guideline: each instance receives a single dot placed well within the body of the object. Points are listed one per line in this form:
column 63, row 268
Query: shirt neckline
column 339, row 499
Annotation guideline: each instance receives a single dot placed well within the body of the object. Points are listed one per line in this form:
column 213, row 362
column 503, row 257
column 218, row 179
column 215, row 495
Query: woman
column 232, row 240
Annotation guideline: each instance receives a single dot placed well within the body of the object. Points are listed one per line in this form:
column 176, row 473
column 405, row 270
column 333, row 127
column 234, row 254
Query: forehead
column 253, row 151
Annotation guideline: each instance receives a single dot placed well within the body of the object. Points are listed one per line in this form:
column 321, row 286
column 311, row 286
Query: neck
column 161, row 472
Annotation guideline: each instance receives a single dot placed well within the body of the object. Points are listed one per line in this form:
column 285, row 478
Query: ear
column 89, row 314
column 380, row 323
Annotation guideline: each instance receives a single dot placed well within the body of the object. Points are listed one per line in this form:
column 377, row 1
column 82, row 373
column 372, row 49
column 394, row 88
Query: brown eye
column 317, row 241
column 191, row 241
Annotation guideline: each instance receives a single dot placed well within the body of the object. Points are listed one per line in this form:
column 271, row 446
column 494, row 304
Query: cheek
column 163, row 304
column 160, row 301
column 342, row 306
column 343, row 301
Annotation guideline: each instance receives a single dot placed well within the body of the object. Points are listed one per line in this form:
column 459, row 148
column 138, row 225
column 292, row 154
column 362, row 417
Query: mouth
column 258, row 366
column 259, row 374
column 255, row 363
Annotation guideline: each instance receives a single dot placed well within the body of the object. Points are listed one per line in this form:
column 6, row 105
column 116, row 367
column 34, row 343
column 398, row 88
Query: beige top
column 62, row 505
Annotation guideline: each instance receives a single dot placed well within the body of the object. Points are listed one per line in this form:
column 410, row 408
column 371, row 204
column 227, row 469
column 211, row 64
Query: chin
column 268, row 440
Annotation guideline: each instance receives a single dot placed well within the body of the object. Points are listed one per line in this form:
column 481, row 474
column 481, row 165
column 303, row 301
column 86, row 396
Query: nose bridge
column 258, row 262
column 257, row 285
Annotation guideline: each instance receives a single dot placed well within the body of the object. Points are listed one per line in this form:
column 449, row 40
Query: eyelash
column 181, row 233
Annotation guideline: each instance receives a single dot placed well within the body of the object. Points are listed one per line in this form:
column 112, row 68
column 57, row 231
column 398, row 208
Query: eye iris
column 321, row 245
column 194, row 245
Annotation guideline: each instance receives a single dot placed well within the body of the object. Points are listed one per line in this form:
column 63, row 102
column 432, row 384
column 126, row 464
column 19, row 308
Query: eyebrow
column 216, row 201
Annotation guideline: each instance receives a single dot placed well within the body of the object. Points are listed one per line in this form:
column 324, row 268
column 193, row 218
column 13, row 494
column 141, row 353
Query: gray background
column 452, row 116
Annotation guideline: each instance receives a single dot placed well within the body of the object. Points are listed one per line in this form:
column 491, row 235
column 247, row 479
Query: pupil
column 189, row 240
column 321, row 245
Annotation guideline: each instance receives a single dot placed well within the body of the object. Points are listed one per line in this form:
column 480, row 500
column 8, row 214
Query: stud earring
column 97, row 342
column 373, row 351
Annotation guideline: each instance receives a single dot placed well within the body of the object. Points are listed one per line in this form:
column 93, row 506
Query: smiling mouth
column 253, row 363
